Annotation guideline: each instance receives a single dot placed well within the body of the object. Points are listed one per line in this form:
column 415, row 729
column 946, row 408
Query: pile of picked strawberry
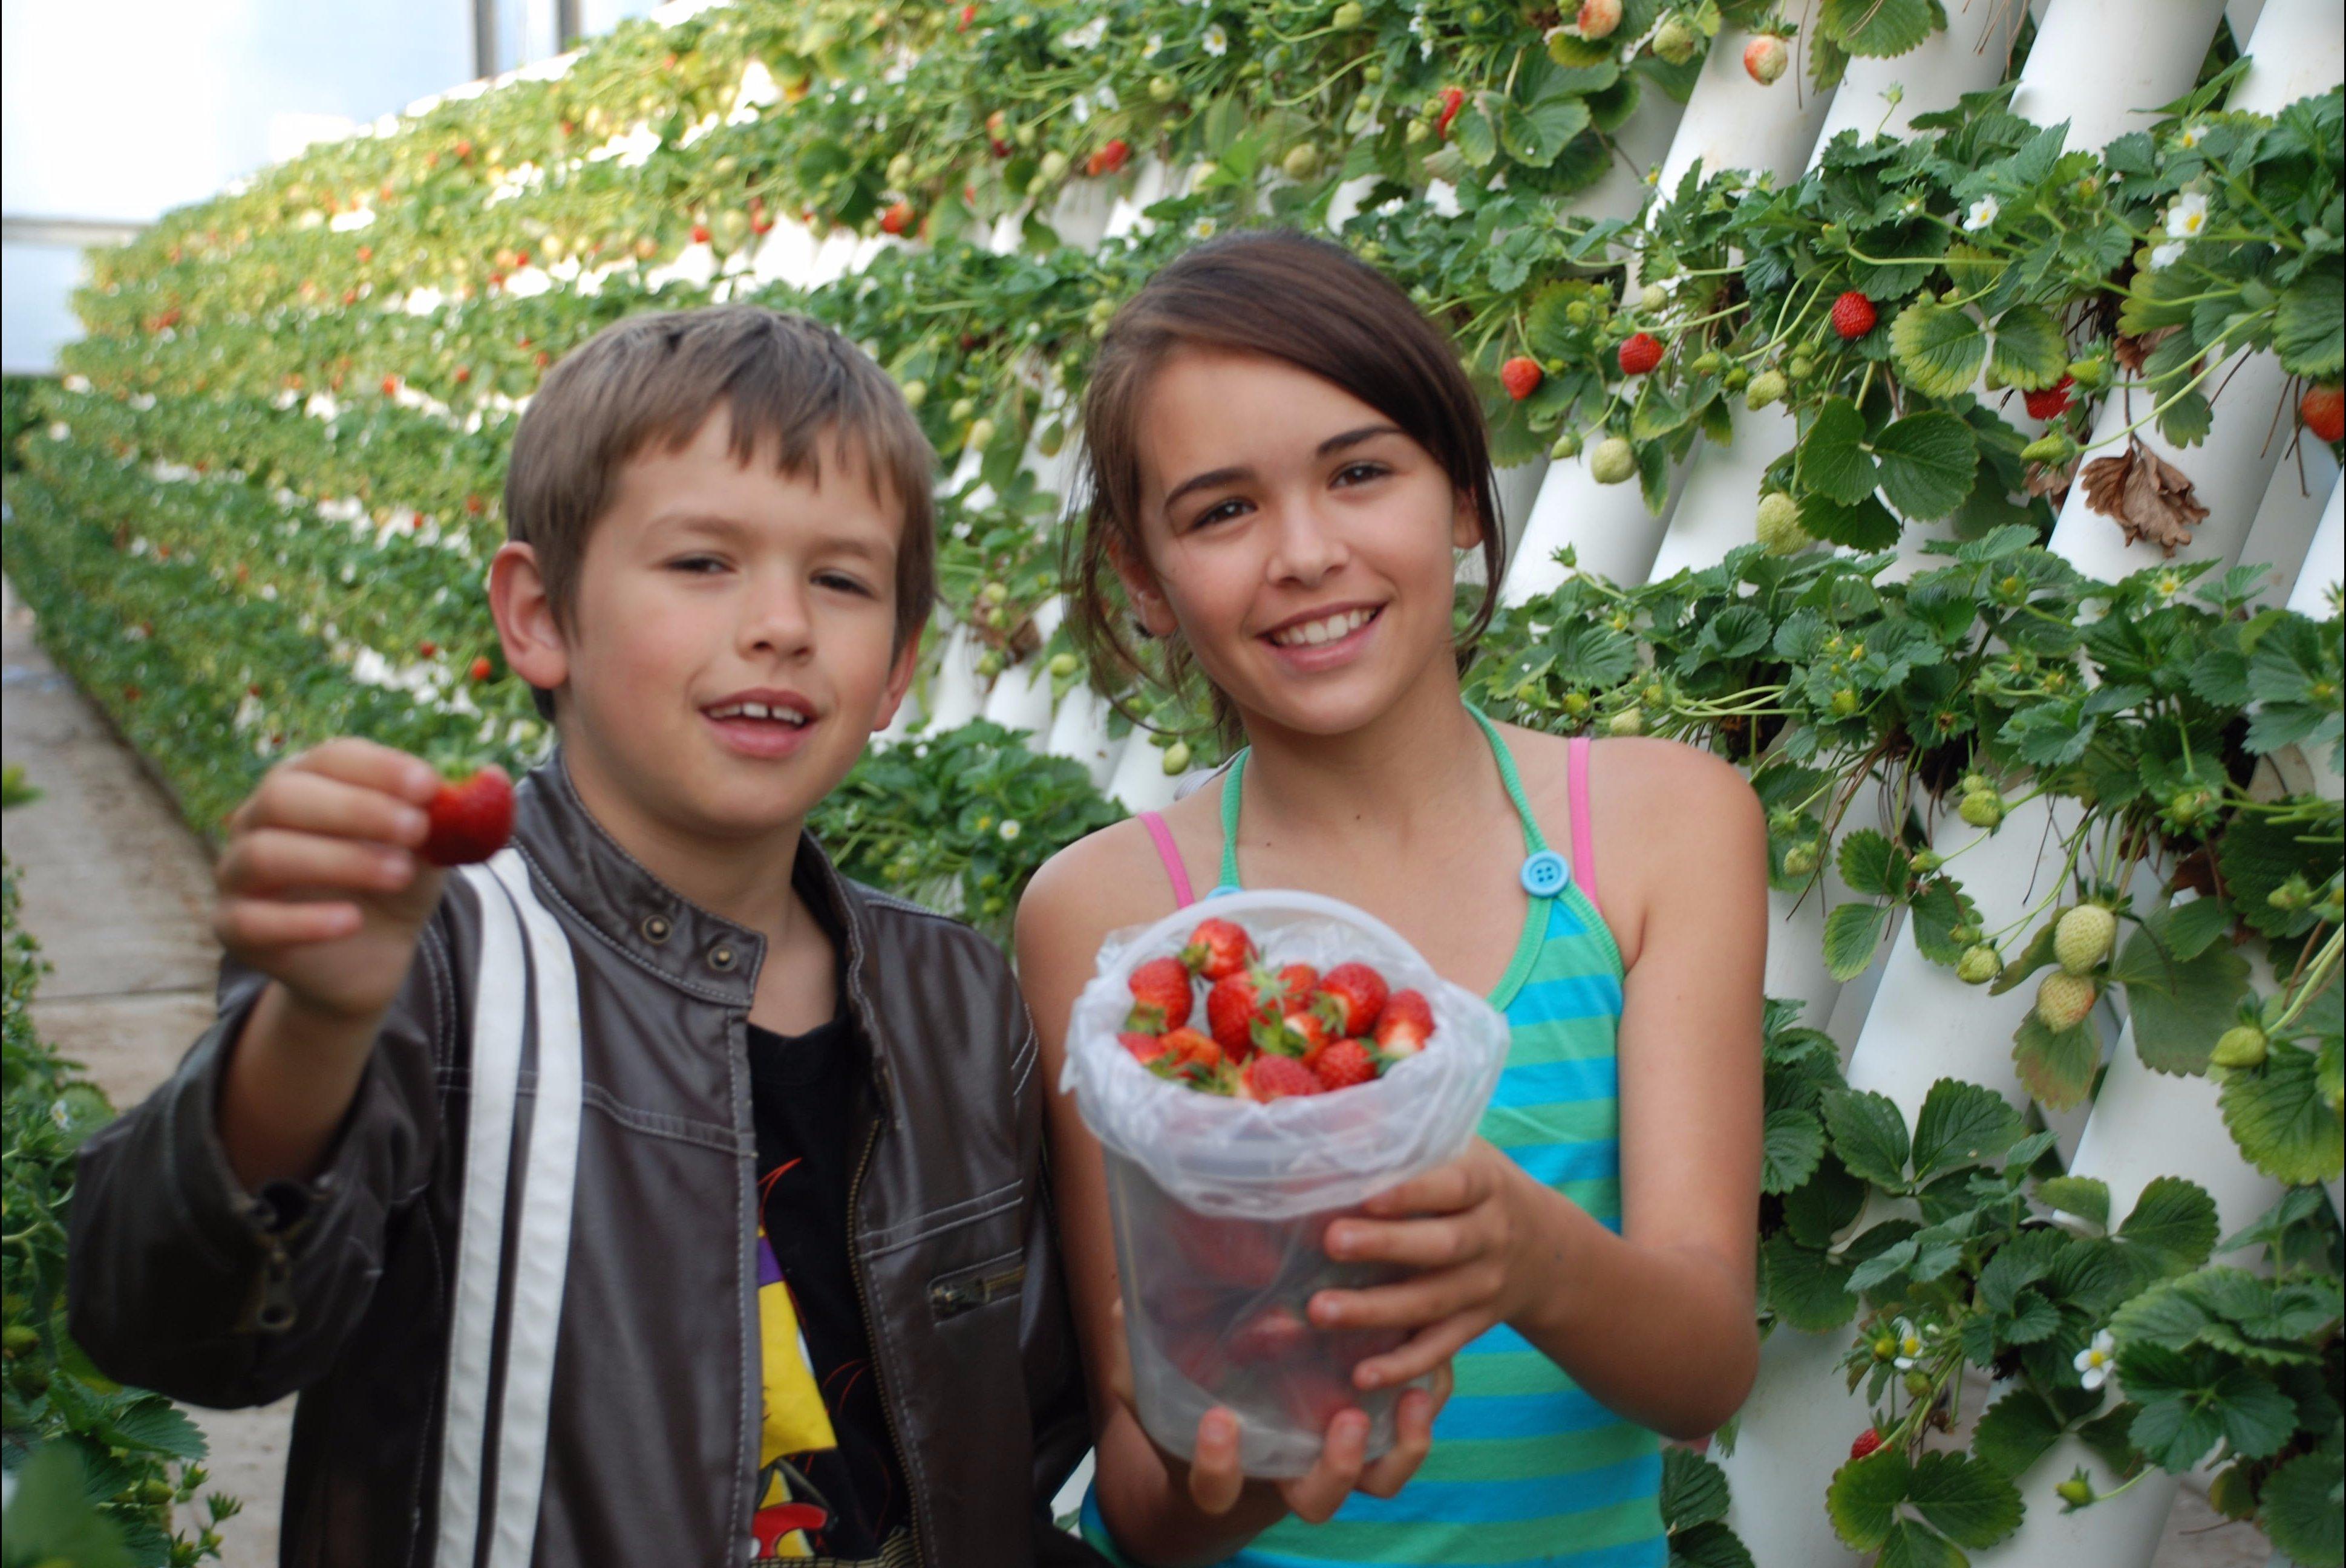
column 1269, row 1033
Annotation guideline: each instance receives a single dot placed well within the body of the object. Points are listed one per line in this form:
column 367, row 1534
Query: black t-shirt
column 832, row 1485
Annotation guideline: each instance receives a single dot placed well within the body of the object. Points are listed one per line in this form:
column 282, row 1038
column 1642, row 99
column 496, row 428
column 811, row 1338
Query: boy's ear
column 525, row 617
column 899, row 681
column 1141, row 587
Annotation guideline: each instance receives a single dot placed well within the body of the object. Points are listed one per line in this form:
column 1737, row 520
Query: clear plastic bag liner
column 1307, row 1154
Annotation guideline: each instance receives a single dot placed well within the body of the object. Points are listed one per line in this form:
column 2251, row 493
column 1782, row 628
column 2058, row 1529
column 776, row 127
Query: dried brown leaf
column 2150, row 498
column 2132, row 352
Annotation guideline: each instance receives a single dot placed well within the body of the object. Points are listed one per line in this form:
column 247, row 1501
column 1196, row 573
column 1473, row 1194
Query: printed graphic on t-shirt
column 790, row 1516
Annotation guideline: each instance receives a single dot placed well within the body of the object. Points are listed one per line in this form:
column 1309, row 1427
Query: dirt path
column 118, row 893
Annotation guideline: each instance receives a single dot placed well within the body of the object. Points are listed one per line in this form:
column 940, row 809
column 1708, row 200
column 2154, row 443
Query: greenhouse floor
column 117, row 892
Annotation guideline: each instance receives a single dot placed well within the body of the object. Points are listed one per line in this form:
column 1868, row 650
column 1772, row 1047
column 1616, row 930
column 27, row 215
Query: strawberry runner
column 1525, row 1467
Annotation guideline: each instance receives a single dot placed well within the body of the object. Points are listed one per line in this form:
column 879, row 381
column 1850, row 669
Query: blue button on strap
column 1220, row 891
column 1545, row 874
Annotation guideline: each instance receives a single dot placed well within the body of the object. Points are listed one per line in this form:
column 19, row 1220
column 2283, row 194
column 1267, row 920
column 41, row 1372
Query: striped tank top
column 1525, row 1467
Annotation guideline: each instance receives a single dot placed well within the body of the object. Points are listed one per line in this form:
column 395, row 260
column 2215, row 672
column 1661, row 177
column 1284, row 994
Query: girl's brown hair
column 1284, row 296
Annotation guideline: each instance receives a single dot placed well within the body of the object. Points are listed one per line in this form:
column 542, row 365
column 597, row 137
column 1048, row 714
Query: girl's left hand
column 1474, row 1227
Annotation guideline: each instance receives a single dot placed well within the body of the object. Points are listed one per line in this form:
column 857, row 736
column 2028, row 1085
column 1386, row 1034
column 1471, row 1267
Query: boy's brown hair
column 1283, row 296
column 786, row 379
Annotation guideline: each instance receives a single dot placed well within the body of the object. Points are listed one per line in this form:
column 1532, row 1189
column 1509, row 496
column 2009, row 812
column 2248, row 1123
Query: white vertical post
column 1792, row 1433
column 2281, row 538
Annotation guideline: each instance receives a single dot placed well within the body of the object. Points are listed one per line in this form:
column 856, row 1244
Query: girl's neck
column 1425, row 753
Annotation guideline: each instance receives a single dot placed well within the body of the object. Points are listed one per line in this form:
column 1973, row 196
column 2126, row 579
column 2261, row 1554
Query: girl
column 1286, row 463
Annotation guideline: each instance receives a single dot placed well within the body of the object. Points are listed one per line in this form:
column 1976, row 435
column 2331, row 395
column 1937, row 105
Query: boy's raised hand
column 321, row 885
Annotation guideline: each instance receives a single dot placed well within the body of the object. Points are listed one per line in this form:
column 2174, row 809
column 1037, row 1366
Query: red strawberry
column 1521, row 376
column 898, row 219
column 1453, row 99
column 1244, row 1253
column 463, row 374
column 2049, row 403
column 1345, row 1064
column 1854, row 315
column 968, row 15
column 427, row 647
column 482, row 667
column 1640, row 352
column 1765, row 58
column 1161, row 995
column 1404, row 1025
column 1274, row 1334
column 1232, row 1008
column 391, row 386
column 1145, row 1048
column 1217, row 949
column 2323, row 410
column 1300, row 1033
column 1297, row 981
column 1867, row 1442
column 1312, row 1396
column 1112, row 157
column 1359, row 993
column 1192, row 1049
column 1269, row 1077
column 471, row 820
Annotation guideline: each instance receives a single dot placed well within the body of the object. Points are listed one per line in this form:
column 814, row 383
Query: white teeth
column 758, row 711
column 1326, row 630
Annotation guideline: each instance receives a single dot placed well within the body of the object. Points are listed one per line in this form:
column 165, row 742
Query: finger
column 1315, row 1496
column 1413, row 1440
column 317, row 803
column 373, row 766
column 1423, row 1352
column 1214, row 1478
column 1119, row 1375
column 1410, row 1303
column 1443, row 1243
column 248, row 925
column 1446, row 1190
column 272, row 861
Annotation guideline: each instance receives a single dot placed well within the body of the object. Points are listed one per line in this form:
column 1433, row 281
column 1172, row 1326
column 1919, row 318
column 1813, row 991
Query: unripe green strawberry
column 1162, row 88
column 1779, row 526
column 963, row 408
column 1978, row 965
column 1176, row 757
column 2062, row 1000
column 19, row 1338
column 1981, row 809
column 1734, row 378
column 900, row 170
column 1925, row 861
column 2050, row 450
column 1063, row 665
column 1566, row 445
column 1053, row 169
column 1302, row 162
column 1348, row 15
column 2081, row 939
column 2076, row 1492
column 916, row 393
column 2090, row 374
column 1767, row 387
column 1418, row 131
column 1707, row 363
column 2186, row 806
column 2241, row 1045
column 1918, row 1385
column 1628, row 721
column 989, row 664
column 1653, row 297
column 981, row 435
column 1614, row 461
column 1675, row 41
column 1800, row 859
column 1801, row 368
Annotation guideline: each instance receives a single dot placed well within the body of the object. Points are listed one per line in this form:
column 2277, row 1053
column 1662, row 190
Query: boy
column 648, row 1195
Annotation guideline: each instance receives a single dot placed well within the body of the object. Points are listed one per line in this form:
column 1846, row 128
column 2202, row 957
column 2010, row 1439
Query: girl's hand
column 1480, row 1230
column 1215, row 1483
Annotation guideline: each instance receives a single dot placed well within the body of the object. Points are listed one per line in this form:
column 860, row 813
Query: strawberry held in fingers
column 1161, row 995
column 1217, row 949
column 1406, row 1024
column 470, row 820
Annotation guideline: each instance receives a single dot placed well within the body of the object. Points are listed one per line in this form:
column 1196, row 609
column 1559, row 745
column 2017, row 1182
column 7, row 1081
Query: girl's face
column 1296, row 538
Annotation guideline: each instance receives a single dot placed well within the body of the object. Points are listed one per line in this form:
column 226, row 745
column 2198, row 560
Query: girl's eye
column 1359, row 472
column 1218, row 513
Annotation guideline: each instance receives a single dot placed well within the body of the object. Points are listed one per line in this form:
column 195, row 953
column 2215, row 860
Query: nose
column 775, row 621
column 1307, row 545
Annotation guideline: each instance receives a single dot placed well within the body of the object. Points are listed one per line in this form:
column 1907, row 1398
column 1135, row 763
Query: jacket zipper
column 864, row 1300
column 275, row 1313
column 965, row 1294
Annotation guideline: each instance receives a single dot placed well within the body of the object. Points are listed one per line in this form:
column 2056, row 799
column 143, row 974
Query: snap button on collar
column 720, row 957
column 655, row 927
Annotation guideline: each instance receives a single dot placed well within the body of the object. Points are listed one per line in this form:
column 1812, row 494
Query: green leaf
column 2256, row 1416
column 1851, row 933
column 158, row 1425
column 2304, row 1507
column 1880, row 28
column 2030, row 351
column 1694, row 1489
column 1871, row 863
column 2278, row 1117
column 2309, row 322
column 1712, row 1545
column 1865, row 1496
column 1971, row 1502
column 1929, row 462
column 2177, row 1022
column 1911, row 1545
column 50, row 1519
column 2174, row 1221
column 1472, row 134
column 1790, row 1147
column 1805, row 1289
column 1834, row 460
column 1937, row 347
column 1868, row 526
column 1961, row 1123
column 2087, row 1197
column 1869, row 1134
column 2016, row 1432
column 2058, row 1068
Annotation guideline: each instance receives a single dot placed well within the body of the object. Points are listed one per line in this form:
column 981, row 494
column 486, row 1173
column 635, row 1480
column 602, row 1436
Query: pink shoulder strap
column 1174, row 872
column 1584, row 841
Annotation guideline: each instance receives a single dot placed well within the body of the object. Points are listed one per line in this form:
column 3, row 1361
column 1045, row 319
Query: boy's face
column 729, row 650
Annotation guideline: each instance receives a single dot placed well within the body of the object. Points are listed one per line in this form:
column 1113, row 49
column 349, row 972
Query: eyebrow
column 1219, row 477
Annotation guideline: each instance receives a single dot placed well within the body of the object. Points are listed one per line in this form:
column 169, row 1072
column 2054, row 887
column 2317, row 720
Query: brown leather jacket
column 352, row 1287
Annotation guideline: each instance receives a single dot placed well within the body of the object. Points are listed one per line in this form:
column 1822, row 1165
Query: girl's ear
column 1141, row 587
column 1466, row 521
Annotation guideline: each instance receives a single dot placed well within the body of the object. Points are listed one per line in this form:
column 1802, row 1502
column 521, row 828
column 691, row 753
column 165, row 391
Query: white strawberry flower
column 1080, row 40
column 2191, row 134
column 1153, row 45
column 1203, row 229
column 1982, row 215
column 1910, row 1344
column 2188, row 217
column 1009, row 831
column 2096, row 1362
column 1217, row 40
column 2162, row 257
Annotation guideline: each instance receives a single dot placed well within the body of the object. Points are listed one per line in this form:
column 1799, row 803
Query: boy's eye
column 843, row 582
column 699, row 565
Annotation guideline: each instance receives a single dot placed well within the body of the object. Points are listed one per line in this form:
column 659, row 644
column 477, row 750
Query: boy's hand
column 321, row 886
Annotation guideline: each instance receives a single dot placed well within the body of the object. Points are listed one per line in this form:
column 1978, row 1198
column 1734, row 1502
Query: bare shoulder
column 1100, row 883
column 1672, row 789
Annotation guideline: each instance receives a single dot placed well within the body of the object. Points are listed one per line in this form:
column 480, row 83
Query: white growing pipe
column 2281, row 538
column 957, row 692
column 2103, row 64
column 2325, row 561
column 2120, row 1530
column 1968, row 56
column 1140, row 782
column 1792, row 1432
column 1718, row 509
column 1079, row 732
